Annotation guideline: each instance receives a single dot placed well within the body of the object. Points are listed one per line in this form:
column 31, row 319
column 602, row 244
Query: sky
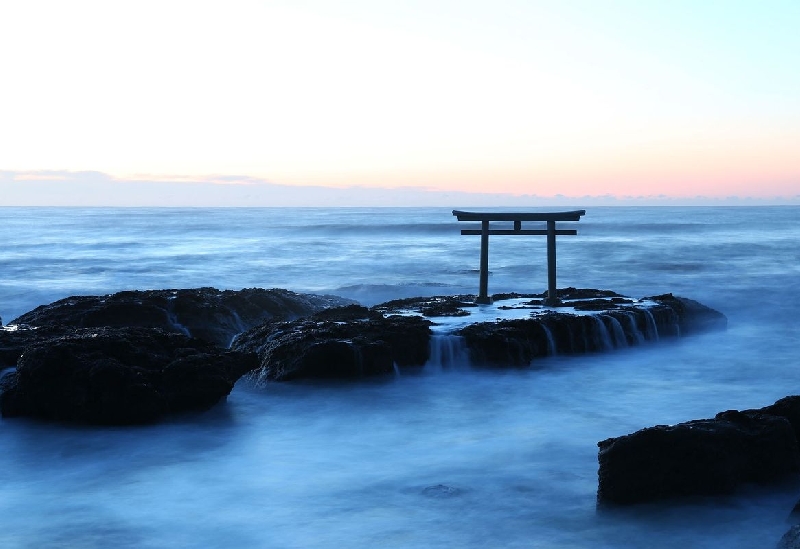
column 415, row 102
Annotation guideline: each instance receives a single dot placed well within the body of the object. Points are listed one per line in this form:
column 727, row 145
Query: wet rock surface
column 206, row 313
column 701, row 457
column 14, row 339
column 120, row 376
column 441, row 306
column 337, row 343
column 611, row 321
column 355, row 341
column 693, row 317
column 298, row 336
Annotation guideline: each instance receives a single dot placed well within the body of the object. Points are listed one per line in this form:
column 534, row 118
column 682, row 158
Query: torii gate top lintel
column 574, row 215
column 518, row 218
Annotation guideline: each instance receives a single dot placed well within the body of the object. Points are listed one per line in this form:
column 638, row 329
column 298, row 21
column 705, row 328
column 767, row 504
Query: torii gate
column 518, row 218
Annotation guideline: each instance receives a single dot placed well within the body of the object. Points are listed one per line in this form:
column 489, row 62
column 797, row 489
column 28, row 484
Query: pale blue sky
column 573, row 97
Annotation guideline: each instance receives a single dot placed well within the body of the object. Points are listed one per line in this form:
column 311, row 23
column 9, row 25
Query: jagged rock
column 14, row 339
column 120, row 376
column 693, row 317
column 791, row 539
column 614, row 321
column 518, row 342
column 788, row 407
column 506, row 343
column 583, row 293
column 207, row 313
column 701, row 457
column 337, row 343
column 288, row 351
column 441, row 305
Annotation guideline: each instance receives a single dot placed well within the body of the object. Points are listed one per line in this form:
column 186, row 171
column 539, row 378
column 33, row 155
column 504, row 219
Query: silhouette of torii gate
column 518, row 217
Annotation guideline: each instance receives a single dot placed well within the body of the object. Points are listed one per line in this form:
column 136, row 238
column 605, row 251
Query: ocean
column 450, row 457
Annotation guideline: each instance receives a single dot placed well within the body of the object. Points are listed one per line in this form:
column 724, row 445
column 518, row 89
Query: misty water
column 448, row 457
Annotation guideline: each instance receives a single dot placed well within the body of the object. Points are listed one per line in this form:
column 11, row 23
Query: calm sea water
column 452, row 458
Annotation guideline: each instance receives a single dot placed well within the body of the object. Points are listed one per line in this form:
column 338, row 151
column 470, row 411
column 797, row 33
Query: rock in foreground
column 120, row 376
column 701, row 457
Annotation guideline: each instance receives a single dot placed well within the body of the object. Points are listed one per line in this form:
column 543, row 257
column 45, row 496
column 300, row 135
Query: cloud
column 91, row 188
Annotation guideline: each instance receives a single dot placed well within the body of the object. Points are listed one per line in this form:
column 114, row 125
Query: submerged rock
column 701, row 457
column 337, row 343
column 206, row 313
column 441, row 491
column 120, row 376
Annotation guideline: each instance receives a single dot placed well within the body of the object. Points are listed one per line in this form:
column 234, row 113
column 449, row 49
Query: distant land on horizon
column 91, row 188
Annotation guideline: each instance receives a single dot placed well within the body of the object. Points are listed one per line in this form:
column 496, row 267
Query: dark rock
column 693, row 317
column 615, row 322
column 346, row 313
column 702, row 457
column 14, row 339
column 318, row 347
column 584, row 293
column 518, row 342
column 791, row 539
column 787, row 407
column 207, row 313
column 794, row 515
column 505, row 343
column 442, row 306
column 599, row 304
column 120, row 376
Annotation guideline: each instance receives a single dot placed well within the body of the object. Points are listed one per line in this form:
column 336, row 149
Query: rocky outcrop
column 337, row 343
column 206, row 313
column 791, row 539
column 586, row 321
column 14, row 339
column 355, row 341
column 692, row 317
column 120, row 376
column 701, row 457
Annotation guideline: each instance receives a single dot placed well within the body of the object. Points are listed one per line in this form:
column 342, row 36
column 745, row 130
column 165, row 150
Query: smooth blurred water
column 361, row 464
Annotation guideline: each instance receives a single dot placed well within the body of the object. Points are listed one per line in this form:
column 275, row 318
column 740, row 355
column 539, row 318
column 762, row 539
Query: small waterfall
column 6, row 372
column 551, row 342
column 637, row 334
column 239, row 326
column 602, row 335
column 173, row 319
column 447, row 351
column 619, row 334
column 652, row 328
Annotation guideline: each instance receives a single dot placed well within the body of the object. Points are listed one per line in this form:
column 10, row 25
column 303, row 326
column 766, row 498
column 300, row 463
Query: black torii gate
column 518, row 218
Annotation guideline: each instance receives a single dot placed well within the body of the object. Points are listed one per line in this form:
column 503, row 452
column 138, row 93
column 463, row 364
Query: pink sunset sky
column 131, row 103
